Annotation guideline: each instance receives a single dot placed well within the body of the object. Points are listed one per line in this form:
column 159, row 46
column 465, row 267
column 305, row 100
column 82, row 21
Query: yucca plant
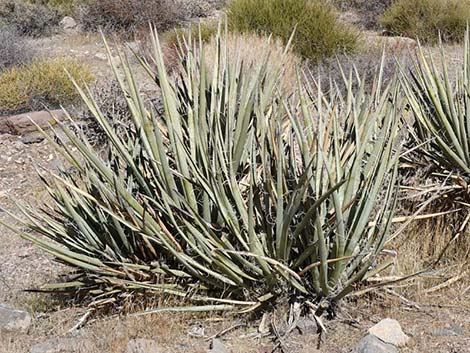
column 234, row 197
column 440, row 104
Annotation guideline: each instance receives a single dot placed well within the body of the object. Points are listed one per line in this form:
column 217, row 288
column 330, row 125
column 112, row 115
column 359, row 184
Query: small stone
column 34, row 137
column 217, row 346
column 371, row 344
column 389, row 331
column 452, row 330
column 141, row 345
column 306, row 324
column 101, row 56
column 68, row 23
column 13, row 319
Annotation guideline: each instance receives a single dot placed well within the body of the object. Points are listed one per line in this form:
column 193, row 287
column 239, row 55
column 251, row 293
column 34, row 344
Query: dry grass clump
column 43, row 83
column 31, row 19
column 14, row 49
column 427, row 19
column 318, row 34
column 240, row 47
column 128, row 15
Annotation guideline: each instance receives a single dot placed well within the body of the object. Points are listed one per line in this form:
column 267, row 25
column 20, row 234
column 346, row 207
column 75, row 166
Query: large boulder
column 23, row 124
column 371, row 344
column 389, row 331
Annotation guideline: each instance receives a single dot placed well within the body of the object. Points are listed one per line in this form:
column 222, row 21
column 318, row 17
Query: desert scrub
column 204, row 30
column 233, row 197
column 65, row 7
column 30, row 19
column 318, row 33
column 14, row 49
column 426, row 19
column 43, row 83
column 240, row 48
column 368, row 11
column 128, row 15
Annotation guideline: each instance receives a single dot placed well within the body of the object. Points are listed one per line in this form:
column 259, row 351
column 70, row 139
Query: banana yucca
column 234, row 196
column 440, row 104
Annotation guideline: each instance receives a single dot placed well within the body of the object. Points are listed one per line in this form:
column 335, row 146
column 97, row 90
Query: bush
column 425, row 19
column 240, row 48
column 65, row 7
column 14, row 49
column 43, row 83
column 442, row 125
column 368, row 11
column 113, row 105
column 318, row 32
column 204, row 30
column 30, row 19
column 233, row 196
column 128, row 15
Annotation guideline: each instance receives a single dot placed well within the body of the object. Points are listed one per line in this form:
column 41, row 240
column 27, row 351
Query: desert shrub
column 113, row 106
column 318, row 32
column 240, row 49
column 65, row 7
column 426, row 19
column 368, row 11
column 14, row 49
column 30, row 19
column 43, row 83
column 213, row 200
column 439, row 157
column 195, row 8
column 128, row 15
column 204, row 30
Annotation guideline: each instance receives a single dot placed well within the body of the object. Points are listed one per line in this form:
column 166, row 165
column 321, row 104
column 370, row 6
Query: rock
column 217, row 346
column 22, row 124
column 60, row 345
column 452, row 330
column 371, row 344
column 68, row 24
column 393, row 44
column 306, row 324
column 141, row 345
column 13, row 319
column 389, row 331
column 33, row 137
column 101, row 56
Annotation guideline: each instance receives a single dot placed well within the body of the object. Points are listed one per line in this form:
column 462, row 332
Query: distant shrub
column 318, row 32
column 41, row 83
column 65, row 7
column 14, row 49
column 118, row 15
column 425, row 19
column 207, row 30
column 113, row 106
column 195, row 8
column 240, row 47
column 29, row 18
column 368, row 11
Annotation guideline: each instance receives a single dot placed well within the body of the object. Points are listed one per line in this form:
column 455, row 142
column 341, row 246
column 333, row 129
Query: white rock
column 68, row 23
column 13, row 319
column 371, row 344
column 101, row 56
column 217, row 346
column 389, row 331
